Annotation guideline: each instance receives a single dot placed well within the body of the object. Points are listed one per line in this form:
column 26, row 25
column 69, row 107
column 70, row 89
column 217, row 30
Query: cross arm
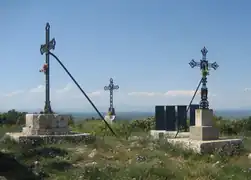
column 213, row 65
column 107, row 88
column 47, row 47
column 194, row 63
column 116, row 87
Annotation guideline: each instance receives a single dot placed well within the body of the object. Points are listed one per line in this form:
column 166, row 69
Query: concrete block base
column 204, row 133
column 48, row 128
column 46, row 124
column 201, row 147
column 50, row 139
column 156, row 134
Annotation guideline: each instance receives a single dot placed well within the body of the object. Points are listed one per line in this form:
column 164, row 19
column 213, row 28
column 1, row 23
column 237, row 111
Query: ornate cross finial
column 47, row 27
column 204, row 51
column 204, row 66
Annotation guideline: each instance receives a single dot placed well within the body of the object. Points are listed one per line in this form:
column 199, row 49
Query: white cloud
column 39, row 88
column 171, row 93
column 66, row 89
column 144, row 94
column 73, row 92
column 168, row 93
column 14, row 93
column 180, row 93
column 247, row 89
column 95, row 93
column 70, row 97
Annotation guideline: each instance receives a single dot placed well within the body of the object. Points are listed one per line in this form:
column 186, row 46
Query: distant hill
column 231, row 114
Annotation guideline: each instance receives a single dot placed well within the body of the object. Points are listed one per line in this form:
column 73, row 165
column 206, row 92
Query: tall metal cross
column 45, row 48
column 110, row 88
column 204, row 67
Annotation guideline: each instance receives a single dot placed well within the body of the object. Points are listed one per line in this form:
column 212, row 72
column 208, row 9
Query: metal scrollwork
column 204, row 66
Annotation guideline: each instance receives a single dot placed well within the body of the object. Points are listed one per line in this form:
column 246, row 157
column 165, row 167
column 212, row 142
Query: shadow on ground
column 11, row 169
column 46, row 152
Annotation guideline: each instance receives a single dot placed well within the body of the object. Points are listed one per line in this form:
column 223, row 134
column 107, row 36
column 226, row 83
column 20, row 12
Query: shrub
column 144, row 125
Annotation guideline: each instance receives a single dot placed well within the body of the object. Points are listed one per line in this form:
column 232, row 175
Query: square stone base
column 46, row 124
column 204, row 133
column 156, row 134
column 201, row 147
column 204, row 117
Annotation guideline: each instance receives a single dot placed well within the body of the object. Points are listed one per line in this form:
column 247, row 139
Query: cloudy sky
column 145, row 46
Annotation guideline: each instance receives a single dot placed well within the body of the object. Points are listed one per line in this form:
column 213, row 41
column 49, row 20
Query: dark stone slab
column 193, row 107
column 170, row 118
column 160, row 117
column 182, row 117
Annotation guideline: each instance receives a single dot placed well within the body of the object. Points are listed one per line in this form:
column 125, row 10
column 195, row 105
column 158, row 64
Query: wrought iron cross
column 110, row 88
column 204, row 67
column 45, row 48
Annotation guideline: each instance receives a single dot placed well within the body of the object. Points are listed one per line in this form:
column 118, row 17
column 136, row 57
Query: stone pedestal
column 48, row 128
column 203, row 137
column 203, row 129
column 46, row 124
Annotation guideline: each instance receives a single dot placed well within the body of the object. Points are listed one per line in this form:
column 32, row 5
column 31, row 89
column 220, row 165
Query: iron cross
column 110, row 88
column 204, row 67
column 45, row 48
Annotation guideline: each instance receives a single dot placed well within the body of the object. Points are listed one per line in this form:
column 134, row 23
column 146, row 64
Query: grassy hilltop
column 131, row 156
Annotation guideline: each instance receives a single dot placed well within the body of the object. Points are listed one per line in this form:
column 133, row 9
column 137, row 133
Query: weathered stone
column 203, row 129
column 204, row 133
column 41, row 124
column 48, row 128
column 203, row 117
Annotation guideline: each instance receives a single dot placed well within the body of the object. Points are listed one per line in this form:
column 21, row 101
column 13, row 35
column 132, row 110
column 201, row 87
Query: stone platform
column 156, row 134
column 198, row 146
column 49, row 128
column 211, row 146
column 21, row 138
column 202, row 138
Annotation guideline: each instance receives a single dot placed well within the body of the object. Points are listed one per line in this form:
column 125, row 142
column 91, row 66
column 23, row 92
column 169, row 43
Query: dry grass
column 109, row 158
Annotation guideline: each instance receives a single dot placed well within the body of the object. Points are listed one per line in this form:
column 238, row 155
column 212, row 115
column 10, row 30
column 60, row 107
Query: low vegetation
column 131, row 155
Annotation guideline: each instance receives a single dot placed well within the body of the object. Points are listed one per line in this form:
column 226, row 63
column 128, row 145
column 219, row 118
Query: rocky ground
column 138, row 158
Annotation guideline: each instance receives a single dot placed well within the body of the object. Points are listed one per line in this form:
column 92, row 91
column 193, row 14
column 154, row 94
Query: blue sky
column 144, row 45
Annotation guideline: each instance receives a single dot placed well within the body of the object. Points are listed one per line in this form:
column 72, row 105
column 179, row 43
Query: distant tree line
column 13, row 117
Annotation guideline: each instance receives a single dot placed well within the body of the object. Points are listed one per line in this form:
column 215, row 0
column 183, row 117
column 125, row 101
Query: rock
column 215, row 164
column 91, row 164
column 134, row 138
column 4, row 151
column 110, row 157
column 249, row 156
column 135, row 144
column 93, row 153
column 130, row 161
column 36, row 163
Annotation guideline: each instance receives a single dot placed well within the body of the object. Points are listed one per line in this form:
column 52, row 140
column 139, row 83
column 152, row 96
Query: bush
column 233, row 127
column 144, row 125
column 12, row 117
column 121, row 128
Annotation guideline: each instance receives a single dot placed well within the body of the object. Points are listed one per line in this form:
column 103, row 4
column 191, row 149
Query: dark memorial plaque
column 160, row 117
column 170, row 118
column 182, row 117
column 193, row 107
